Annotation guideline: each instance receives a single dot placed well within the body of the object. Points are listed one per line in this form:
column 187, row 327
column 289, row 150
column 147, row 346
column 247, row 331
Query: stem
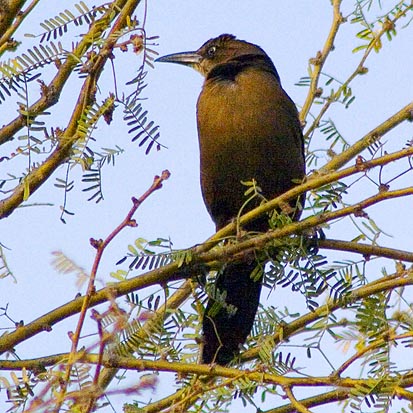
column 319, row 61
column 101, row 246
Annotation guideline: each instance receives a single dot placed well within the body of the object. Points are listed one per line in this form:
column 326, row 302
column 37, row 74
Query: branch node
column 384, row 188
column 132, row 223
column 95, row 315
column 19, row 324
column 96, row 243
column 165, row 175
column 361, row 163
column 47, row 328
column 318, row 92
column 316, row 61
column 360, row 213
column 362, row 70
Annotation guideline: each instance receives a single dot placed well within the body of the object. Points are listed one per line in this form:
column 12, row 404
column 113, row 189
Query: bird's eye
column 211, row 51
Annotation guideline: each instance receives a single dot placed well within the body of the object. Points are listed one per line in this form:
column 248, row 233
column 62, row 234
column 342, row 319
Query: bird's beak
column 191, row 59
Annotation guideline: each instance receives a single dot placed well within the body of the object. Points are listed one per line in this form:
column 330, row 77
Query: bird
column 248, row 130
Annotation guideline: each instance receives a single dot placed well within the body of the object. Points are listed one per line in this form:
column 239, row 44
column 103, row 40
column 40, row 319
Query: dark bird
column 248, row 128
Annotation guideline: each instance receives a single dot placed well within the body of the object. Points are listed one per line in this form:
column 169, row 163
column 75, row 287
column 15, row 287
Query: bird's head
column 218, row 51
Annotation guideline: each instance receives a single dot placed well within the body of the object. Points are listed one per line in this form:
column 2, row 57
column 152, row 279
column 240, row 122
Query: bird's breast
column 252, row 106
column 248, row 129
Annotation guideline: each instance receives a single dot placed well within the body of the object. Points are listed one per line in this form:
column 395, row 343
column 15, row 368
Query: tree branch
column 214, row 258
column 8, row 11
column 38, row 176
column 405, row 113
column 100, row 246
column 320, row 59
column 294, row 402
column 383, row 284
column 6, row 42
column 314, row 401
column 366, row 250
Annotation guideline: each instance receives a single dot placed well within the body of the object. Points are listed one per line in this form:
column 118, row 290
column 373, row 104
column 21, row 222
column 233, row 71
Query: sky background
column 291, row 33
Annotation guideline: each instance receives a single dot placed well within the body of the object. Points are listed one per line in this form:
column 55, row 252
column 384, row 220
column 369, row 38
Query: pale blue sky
column 291, row 33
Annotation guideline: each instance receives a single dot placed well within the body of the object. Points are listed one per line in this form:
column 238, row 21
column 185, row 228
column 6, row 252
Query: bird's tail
column 228, row 320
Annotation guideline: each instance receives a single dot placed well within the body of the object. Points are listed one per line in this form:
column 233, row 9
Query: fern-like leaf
column 57, row 26
column 17, row 71
column 65, row 265
column 5, row 270
column 143, row 131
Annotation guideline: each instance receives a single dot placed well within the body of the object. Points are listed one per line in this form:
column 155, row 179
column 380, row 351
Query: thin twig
column 366, row 250
column 294, row 402
column 101, row 246
column 320, row 59
column 19, row 16
column 372, row 346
